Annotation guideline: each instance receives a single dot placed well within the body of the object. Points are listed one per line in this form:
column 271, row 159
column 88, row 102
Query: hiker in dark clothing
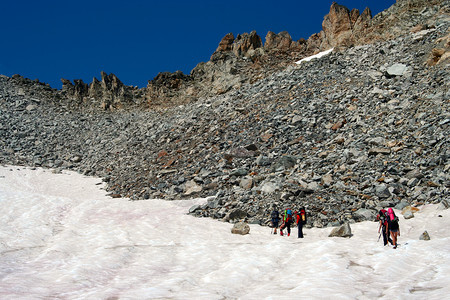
column 275, row 220
column 383, row 220
column 393, row 227
column 301, row 220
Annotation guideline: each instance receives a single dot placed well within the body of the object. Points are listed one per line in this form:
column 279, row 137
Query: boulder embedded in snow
column 445, row 204
column 408, row 212
column 425, row 236
column 408, row 215
column 342, row 231
column 240, row 228
column 194, row 208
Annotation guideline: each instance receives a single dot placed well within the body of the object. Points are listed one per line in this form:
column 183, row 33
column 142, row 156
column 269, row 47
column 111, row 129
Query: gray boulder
column 364, row 214
column 239, row 172
column 194, row 208
column 396, row 70
column 342, row 231
column 382, row 191
column 241, row 228
column 401, row 205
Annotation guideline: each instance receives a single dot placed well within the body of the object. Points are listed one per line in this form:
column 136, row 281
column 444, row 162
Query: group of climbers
column 388, row 226
column 287, row 219
column 388, row 223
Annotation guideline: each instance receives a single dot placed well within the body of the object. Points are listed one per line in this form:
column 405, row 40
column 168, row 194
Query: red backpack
column 383, row 217
column 303, row 216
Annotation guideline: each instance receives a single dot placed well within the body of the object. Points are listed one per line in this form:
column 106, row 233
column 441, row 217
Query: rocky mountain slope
column 364, row 127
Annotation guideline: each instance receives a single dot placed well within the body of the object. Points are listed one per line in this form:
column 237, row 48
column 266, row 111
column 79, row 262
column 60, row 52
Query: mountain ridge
column 246, row 59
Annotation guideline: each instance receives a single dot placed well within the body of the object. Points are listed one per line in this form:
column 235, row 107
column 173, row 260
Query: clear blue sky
column 136, row 40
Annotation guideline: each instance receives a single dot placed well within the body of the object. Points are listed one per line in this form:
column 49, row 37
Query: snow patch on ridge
column 318, row 55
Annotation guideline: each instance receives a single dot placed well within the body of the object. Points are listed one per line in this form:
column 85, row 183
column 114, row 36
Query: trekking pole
column 379, row 237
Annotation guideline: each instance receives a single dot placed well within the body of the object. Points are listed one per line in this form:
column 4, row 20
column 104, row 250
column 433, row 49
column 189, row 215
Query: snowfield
column 63, row 238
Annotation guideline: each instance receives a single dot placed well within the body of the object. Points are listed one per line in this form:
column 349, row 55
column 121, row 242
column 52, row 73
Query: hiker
column 383, row 220
column 301, row 220
column 275, row 219
column 393, row 226
column 287, row 221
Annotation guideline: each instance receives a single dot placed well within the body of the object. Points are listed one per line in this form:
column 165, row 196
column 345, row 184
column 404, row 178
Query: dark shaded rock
column 237, row 214
column 239, row 172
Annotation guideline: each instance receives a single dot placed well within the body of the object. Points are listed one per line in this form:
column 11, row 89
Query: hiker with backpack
column 301, row 220
column 275, row 219
column 383, row 220
column 393, row 228
column 287, row 221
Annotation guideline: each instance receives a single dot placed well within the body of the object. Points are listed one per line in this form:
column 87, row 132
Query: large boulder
column 364, row 214
column 341, row 231
column 240, row 228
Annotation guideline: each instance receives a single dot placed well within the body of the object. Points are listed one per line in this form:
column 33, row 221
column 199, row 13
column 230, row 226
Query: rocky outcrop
column 108, row 94
column 405, row 16
column 245, row 43
column 169, row 89
column 282, row 42
column 245, row 59
column 342, row 27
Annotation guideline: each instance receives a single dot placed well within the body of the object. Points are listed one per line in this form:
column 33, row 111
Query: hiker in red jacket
column 300, row 220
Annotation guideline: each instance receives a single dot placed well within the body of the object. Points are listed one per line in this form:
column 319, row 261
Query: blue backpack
column 288, row 215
